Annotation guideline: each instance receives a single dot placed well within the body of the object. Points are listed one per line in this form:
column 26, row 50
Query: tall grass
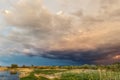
column 85, row 75
column 30, row 77
column 91, row 75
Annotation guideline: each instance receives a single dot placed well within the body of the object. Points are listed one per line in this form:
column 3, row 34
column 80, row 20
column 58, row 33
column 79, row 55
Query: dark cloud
column 72, row 35
column 99, row 56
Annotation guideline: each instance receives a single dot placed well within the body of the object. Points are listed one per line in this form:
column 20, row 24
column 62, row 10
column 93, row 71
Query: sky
column 59, row 32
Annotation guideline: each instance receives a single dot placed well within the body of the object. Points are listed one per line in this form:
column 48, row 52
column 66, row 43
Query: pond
column 6, row 75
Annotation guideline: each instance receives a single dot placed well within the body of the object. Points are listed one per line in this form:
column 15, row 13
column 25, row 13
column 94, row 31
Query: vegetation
column 30, row 77
column 43, row 78
column 86, row 75
column 91, row 75
column 48, row 71
column 83, row 72
column 14, row 66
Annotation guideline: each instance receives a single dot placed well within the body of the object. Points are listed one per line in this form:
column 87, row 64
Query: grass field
column 91, row 75
column 74, row 74
column 47, row 71
column 83, row 72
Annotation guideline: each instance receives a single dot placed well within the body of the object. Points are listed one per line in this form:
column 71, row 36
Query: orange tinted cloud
column 79, row 37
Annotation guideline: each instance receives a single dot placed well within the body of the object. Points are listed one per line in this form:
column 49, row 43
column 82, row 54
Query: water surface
column 6, row 75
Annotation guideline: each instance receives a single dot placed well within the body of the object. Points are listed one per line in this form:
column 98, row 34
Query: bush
column 14, row 66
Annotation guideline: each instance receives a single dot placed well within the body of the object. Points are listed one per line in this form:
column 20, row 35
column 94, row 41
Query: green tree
column 14, row 66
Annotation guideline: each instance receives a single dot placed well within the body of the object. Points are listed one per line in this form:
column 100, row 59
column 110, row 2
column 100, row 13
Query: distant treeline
column 114, row 67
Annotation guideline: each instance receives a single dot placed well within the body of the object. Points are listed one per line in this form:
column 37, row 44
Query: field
column 85, row 72
column 73, row 75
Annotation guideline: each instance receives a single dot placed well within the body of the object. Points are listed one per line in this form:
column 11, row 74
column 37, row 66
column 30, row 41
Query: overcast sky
column 72, row 32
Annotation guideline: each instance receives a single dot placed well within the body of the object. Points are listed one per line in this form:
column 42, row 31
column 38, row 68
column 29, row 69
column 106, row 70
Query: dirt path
column 46, row 76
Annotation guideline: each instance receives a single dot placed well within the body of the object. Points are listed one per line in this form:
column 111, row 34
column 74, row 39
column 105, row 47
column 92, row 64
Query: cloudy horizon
column 71, row 31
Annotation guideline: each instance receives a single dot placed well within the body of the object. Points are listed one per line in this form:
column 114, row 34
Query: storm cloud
column 83, row 33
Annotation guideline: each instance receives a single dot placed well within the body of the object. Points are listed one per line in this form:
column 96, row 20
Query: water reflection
column 6, row 75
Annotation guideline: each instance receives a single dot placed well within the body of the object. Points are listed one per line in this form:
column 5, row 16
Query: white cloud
column 38, row 30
